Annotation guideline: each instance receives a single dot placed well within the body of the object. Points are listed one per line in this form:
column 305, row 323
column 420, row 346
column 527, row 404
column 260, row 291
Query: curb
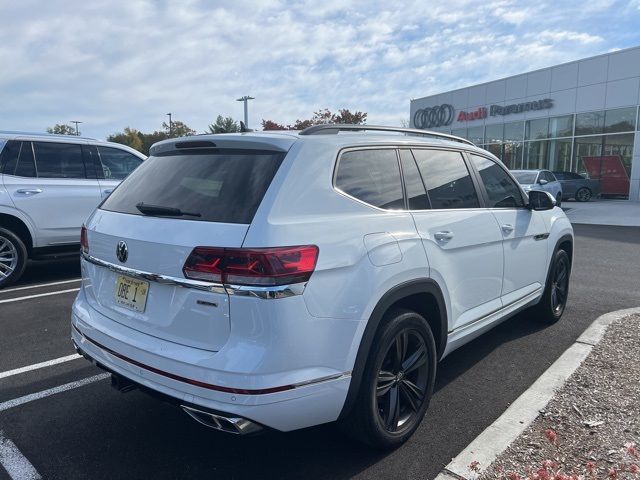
column 486, row 447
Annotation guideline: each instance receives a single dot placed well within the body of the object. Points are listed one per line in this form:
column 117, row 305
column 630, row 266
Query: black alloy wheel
column 560, row 285
column 402, row 380
column 397, row 382
column 583, row 194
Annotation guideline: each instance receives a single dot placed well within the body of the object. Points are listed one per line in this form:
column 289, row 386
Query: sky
column 126, row 63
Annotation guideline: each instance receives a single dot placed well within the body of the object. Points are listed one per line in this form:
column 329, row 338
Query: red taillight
column 252, row 266
column 84, row 239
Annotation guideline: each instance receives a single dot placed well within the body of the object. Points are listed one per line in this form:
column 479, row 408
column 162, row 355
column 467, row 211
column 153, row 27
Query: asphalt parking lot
column 91, row 431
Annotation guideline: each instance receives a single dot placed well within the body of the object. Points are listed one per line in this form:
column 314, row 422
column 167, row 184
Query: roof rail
column 332, row 129
column 44, row 134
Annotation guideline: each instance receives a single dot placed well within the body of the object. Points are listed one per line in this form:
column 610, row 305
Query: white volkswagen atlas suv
column 284, row 280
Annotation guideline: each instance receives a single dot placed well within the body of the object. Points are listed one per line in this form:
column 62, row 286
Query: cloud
column 129, row 62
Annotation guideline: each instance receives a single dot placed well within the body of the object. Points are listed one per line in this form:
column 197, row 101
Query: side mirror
column 542, row 181
column 539, row 200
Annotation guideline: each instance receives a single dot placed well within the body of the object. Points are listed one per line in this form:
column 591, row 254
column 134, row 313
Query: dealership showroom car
column 285, row 280
column 577, row 186
column 49, row 185
column 542, row 180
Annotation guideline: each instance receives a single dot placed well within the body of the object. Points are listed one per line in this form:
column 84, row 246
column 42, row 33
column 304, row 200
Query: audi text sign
column 443, row 115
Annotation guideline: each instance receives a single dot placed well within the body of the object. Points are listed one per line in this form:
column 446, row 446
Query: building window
column 494, row 133
column 620, row 120
column 535, row 155
column 476, row 134
column 513, row 132
column 561, row 126
column 559, row 155
column 591, row 123
column 537, row 129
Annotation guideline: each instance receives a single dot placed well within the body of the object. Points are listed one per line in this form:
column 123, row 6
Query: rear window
column 221, row 185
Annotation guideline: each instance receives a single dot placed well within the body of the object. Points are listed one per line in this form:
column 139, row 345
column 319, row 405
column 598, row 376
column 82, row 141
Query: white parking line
column 40, row 285
column 9, row 300
column 36, row 366
column 16, row 464
column 52, row 391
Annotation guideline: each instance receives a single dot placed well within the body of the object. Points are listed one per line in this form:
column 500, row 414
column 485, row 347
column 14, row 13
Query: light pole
column 245, row 99
column 76, row 122
column 170, row 126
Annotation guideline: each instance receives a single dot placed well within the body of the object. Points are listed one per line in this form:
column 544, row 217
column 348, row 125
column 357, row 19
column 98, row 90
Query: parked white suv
column 286, row 280
column 49, row 185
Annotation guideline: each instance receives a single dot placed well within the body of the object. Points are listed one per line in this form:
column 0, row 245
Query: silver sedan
column 539, row 180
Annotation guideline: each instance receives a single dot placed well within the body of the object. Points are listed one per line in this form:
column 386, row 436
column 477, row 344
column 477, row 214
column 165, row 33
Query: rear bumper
column 291, row 400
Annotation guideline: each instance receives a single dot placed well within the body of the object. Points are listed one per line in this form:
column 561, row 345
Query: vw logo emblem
column 438, row 116
column 122, row 252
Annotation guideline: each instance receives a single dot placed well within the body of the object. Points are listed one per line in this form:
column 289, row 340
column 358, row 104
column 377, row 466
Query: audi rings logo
column 432, row 117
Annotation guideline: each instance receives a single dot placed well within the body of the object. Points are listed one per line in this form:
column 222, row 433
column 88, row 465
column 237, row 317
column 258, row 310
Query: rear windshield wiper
column 159, row 210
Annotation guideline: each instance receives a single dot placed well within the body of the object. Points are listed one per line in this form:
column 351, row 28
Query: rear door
column 48, row 182
column 462, row 240
column 218, row 191
column 523, row 232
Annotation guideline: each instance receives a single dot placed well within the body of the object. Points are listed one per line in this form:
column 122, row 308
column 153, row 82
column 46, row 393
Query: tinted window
column 9, row 157
column 563, row 176
column 26, row 166
column 447, row 179
column 372, row 176
column 501, row 189
column 221, row 185
column 413, row 184
column 59, row 160
column 116, row 163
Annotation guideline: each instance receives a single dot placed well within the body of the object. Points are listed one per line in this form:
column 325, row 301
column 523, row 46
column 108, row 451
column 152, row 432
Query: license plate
column 131, row 293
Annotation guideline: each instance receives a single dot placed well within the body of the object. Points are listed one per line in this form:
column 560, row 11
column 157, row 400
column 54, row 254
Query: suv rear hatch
column 176, row 200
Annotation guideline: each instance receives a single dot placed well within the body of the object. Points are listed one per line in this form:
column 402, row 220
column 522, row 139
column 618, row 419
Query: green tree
column 320, row 117
column 149, row 139
column 224, row 125
column 178, row 129
column 62, row 129
column 130, row 137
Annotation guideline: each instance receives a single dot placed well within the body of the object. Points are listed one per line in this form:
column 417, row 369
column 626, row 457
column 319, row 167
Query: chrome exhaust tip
column 230, row 424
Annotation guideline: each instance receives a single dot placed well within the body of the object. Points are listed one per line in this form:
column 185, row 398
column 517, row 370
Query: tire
column 558, row 200
column 388, row 382
column 556, row 292
column 13, row 257
column 583, row 194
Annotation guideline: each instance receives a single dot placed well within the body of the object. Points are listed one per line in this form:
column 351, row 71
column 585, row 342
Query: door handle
column 29, row 191
column 507, row 228
column 107, row 191
column 444, row 236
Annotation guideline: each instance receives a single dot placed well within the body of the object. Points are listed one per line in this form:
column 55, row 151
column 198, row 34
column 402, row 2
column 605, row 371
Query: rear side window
column 117, row 164
column 17, row 159
column 372, row 176
column 221, row 185
column 447, row 179
column 501, row 189
column 59, row 160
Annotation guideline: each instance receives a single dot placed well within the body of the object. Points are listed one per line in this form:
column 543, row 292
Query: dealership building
column 580, row 116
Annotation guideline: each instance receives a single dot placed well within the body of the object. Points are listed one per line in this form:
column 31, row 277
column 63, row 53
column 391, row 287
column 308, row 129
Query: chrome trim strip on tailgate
column 267, row 292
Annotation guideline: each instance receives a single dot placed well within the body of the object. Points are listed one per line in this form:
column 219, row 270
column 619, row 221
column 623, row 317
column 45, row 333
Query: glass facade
column 597, row 144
